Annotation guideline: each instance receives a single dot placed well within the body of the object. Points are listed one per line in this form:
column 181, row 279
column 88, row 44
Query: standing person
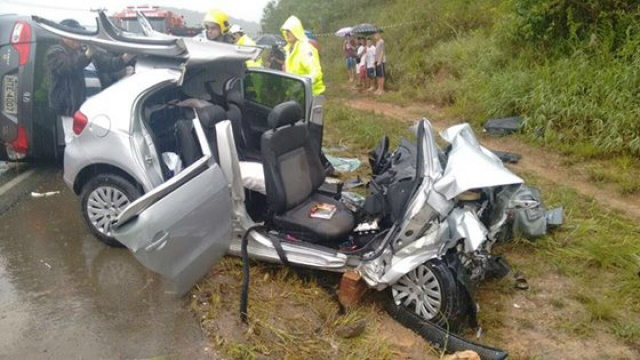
column 302, row 57
column 66, row 62
column 110, row 67
column 349, row 53
column 371, row 65
column 216, row 25
column 362, row 63
column 276, row 58
column 243, row 39
column 381, row 59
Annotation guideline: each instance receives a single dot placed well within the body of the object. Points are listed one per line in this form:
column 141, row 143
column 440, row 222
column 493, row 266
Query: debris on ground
column 463, row 355
column 344, row 164
column 507, row 157
column 521, row 282
column 352, row 287
column 501, row 127
column 47, row 194
column 353, row 183
column 352, row 330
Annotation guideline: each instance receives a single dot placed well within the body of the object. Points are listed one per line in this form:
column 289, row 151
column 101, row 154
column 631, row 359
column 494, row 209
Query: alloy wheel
column 419, row 291
column 104, row 205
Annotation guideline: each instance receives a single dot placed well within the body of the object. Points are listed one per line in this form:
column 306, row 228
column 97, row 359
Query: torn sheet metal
column 465, row 224
column 470, row 165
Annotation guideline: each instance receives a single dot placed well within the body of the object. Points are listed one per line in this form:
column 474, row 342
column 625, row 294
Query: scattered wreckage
column 424, row 235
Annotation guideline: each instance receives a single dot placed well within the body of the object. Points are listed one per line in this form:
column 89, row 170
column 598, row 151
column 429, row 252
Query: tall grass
column 578, row 92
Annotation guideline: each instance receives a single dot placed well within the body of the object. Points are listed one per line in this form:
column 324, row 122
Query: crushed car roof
column 190, row 51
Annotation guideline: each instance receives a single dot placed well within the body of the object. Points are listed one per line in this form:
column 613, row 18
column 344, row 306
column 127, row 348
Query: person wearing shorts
column 381, row 60
column 371, row 65
column 349, row 52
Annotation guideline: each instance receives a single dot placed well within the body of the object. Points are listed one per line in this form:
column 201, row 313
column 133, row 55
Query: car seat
column 293, row 174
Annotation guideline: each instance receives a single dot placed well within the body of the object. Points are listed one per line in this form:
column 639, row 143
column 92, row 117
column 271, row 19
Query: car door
column 263, row 89
column 182, row 228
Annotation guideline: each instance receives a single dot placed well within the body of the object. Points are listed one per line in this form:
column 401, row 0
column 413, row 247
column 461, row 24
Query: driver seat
column 293, row 174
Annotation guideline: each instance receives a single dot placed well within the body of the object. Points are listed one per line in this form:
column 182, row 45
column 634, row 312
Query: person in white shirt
column 371, row 64
column 362, row 64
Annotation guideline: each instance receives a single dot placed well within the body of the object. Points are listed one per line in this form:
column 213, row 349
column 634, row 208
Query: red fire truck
column 164, row 21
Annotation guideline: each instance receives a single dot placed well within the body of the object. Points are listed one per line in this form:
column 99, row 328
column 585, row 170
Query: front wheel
column 430, row 293
column 103, row 198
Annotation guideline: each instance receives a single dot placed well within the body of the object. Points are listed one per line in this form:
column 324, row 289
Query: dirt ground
column 544, row 163
column 537, row 323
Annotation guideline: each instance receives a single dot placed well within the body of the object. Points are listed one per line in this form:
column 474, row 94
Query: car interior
column 283, row 175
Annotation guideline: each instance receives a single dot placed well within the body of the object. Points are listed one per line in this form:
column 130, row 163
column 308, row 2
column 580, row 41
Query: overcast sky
column 79, row 9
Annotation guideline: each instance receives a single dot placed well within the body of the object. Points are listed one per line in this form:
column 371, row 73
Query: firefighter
column 216, row 24
column 302, row 57
column 244, row 40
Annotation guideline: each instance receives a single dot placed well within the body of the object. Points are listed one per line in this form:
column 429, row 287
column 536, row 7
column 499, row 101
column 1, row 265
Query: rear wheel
column 430, row 293
column 103, row 198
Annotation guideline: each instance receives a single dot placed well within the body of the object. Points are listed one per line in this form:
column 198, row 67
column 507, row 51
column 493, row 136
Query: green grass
column 289, row 317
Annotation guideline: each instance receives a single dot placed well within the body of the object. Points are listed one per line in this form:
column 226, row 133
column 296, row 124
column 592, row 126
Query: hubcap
column 103, row 207
column 419, row 291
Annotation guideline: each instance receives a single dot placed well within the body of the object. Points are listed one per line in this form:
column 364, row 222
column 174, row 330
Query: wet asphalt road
column 65, row 295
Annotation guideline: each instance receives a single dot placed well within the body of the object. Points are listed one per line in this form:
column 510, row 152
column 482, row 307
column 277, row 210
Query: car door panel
column 184, row 233
column 181, row 228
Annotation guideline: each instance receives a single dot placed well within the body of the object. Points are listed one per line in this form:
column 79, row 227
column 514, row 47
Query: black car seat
column 293, row 173
column 186, row 139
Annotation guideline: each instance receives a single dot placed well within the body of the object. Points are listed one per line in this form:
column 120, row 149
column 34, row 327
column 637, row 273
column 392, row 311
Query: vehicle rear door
column 182, row 228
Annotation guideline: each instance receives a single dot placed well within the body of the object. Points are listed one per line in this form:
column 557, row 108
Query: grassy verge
column 584, row 277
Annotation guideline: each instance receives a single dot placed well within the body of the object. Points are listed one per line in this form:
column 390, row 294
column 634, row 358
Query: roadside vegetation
column 570, row 68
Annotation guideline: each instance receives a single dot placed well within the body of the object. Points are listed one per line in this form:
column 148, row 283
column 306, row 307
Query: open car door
column 182, row 228
column 264, row 89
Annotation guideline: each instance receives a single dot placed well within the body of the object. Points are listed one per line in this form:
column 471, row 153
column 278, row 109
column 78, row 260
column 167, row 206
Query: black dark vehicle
column 26, row 123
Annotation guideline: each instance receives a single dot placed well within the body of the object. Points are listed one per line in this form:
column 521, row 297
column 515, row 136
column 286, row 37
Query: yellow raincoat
column 302, row 57
column 245, row 40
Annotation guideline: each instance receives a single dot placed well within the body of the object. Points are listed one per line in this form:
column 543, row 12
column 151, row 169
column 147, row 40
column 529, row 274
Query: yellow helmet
column 215, row 16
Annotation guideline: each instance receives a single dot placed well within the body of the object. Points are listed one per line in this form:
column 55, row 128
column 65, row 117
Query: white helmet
column 236, row 29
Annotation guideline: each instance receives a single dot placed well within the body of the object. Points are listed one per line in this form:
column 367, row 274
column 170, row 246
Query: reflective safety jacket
column 302, row 57
column 245, row 40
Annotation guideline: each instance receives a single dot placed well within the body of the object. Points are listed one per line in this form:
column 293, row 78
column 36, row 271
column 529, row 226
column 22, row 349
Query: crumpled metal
column 470, row 165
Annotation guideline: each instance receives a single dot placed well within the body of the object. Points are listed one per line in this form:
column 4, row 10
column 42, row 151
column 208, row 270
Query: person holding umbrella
column 302, row 57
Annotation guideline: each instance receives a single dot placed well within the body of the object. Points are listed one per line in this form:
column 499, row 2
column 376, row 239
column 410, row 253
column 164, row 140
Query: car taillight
column 21, row 41
column 20, row 144
column 79, row 122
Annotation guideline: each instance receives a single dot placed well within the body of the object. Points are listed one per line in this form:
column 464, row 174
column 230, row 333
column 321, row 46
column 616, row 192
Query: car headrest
column 287, row 113
column 211, row 115
column 208, row 113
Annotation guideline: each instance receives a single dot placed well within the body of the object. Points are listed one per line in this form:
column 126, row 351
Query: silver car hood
column 470, row 165
column 183, row 50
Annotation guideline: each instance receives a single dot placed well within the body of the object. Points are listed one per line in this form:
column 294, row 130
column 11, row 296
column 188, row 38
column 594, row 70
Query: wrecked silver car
column 250, row 181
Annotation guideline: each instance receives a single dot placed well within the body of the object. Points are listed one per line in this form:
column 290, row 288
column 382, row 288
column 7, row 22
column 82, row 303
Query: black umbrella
column 270, row 40
column 365, row 29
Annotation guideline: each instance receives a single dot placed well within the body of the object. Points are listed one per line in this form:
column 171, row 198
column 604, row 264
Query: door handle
column 160, row 243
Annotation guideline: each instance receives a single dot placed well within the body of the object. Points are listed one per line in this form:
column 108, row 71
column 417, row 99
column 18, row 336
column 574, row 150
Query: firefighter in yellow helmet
column 243, row 39
column 302, row 57
column 216, row 24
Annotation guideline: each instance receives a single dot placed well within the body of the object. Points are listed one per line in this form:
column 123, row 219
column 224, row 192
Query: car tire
column 102, row 199
column 440, row 300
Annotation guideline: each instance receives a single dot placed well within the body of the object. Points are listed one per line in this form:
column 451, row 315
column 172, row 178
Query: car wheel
column 103, row 198
column 430, row 293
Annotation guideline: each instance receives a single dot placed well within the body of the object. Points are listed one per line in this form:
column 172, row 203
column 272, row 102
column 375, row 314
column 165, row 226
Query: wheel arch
column 96, row 169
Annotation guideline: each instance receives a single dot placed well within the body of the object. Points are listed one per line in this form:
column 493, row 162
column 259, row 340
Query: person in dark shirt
column 66, row 62
column 110, row 67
